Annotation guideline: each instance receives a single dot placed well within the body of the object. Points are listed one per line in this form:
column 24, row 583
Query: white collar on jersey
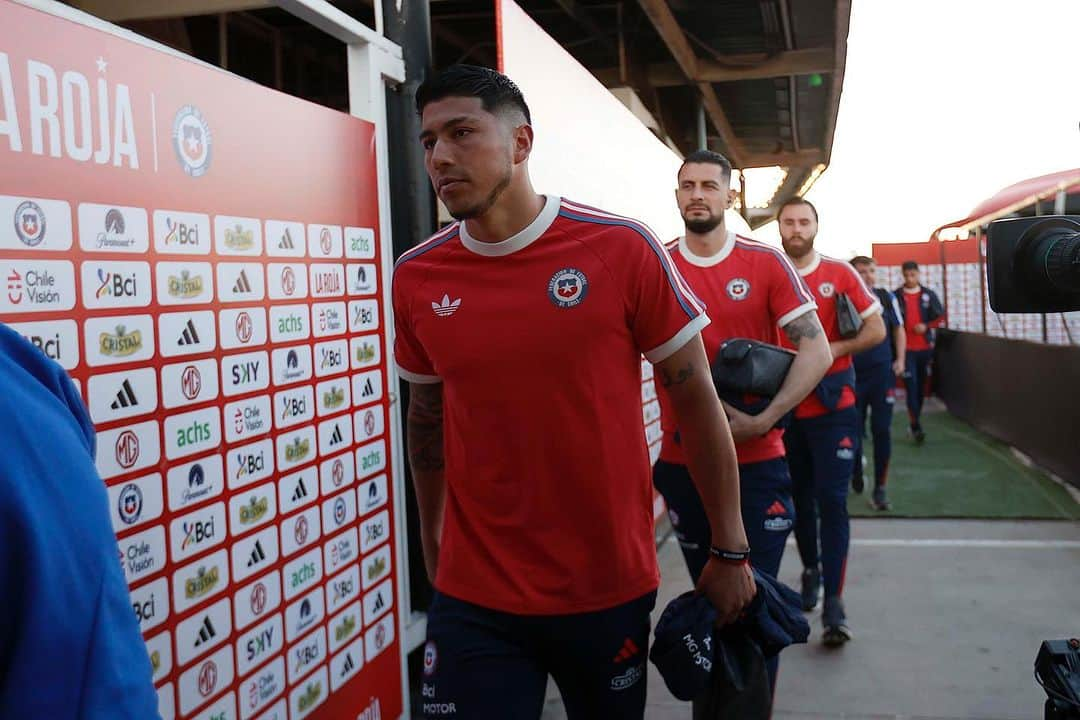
column 711, row 260
column 812, row 266
column 520, row 241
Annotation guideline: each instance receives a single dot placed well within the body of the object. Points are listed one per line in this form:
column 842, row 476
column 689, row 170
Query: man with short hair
column 520, row 329
column 922, row 313
column 821, row 440
column 876, row 371
column 752, row 291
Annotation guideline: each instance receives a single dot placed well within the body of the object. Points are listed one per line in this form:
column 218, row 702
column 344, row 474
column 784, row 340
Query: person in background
column 876, row 371
column 70, row 647
column 820, row 442
column 922, row 313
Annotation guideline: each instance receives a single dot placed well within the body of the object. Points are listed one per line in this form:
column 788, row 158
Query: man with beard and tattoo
column 520, row 329
column 751, row 291
column 821, row 439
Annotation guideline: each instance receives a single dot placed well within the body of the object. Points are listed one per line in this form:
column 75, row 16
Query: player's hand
column 729, row 587
column 898, row 368
column 745, row 427
column 920, row 329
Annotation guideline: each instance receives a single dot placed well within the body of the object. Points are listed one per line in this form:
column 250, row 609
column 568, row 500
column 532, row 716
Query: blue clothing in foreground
column 69, row 641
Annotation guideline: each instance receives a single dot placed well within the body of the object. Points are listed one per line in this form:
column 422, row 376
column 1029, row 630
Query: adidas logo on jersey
column 629, row 650
column 446, row 308
column 777, row 508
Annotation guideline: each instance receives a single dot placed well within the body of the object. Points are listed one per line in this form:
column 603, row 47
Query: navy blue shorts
column 483, row 664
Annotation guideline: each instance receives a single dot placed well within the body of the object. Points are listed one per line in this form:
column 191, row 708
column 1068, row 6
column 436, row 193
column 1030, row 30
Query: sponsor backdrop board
column 200, row 254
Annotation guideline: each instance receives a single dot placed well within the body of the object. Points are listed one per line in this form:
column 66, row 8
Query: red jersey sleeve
column 410, row 357
column 664, row 312
column 789, row 297
column 865, row 301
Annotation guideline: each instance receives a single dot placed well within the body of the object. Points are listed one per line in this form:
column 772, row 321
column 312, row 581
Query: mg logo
column 191, row 382
column 208, row 676
column 288, row 281
column 127, row 449
column 258, row 599
column 244, row 328
column 338, row 473
column 325, row 241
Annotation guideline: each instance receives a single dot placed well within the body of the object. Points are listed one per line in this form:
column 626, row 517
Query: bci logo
column 331, row 358
column 46, row 344
column 197, row 532
column 147, row 610
column 249, row 464
column 293, row 407
column 180, row 233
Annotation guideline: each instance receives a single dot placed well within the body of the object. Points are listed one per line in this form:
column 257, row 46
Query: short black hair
column 797, row 201
column 863, row 260
column 708, row 157
column 909, row 265
column 495, row 91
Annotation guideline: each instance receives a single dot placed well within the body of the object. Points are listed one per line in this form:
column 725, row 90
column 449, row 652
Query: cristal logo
column 365, row 353
column 254, row 510
column 191, row 382
column 311, row 696
column 237, row 238
column 334, row 398
column 180, row 234
column 121, row 344
column 197, row 532
column 127, row 449
column 376, row 568
column 345, row 629
column 116, row 285
column 297, row 450
column 186, row 285
column 203, row 582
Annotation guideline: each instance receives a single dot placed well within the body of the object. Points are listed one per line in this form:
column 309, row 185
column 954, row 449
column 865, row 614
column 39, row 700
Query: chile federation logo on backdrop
column 191, row 140
column 568, row 287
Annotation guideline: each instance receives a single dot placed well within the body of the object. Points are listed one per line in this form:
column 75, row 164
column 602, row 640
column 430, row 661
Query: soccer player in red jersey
column 821, row 439
column 922, row 313
column 520, row 329
column 751, row 291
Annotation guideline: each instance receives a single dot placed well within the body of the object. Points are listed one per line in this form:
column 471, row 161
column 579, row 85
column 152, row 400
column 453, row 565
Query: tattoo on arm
column 667, row 379
column 806, row 325
column 425, row 427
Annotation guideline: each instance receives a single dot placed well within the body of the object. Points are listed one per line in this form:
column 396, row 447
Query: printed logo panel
column 300, row 531
column 326, row 280
column 337, row 473
column 364, row 352
column 287, row 281
column 374, row 531
column 345, row 665
column 289, row 323
column 240, row 282
column 192, row 432
column 363, row 315
column 324, row 241
column 184, row 283
column 379, row 638
column 203, row 631
column 135, row 502
column 335, row 435
column 259, row 690
column 302, row 574
column 343, row 589
column 116, row 396
column 197, row 531
column 257, row 600
column 359, row 243
column 372, row 494
column 306, row 654
column 58, row 339
column 151, row 604
column 291, row 365
column 113, row 228
column 241, row 328
column 280, row 710
column 309, row 695
column 375, row 567
column 142, row 554
column 296, row 448
column 368, row 423
column 304, row 614
column 251, row 508
column 331, row 357
column 201, row 580
column 37, row 286
column 107, row 285
column 370, row 459
column 250, row 463
column 252, row 554
column 338, row 511
column 223, row 709
column 189, row 383
column 285, row 239
column 205, row 680
column 190, row 333
column 244, row 373
column 367, row 387
column 246, row 419
column 118, row 339
column 127, row 449
column 196, row 481
column 363, row 279
column 159, row 648
column 237, row 236
column 328, row 319
column 166, row 702
column 181, row 233
column 298, row 489
column 345, row 627
column 378, row 602
column 341, row 550
column 38, row 224
column 332, row 396
column 261, row 642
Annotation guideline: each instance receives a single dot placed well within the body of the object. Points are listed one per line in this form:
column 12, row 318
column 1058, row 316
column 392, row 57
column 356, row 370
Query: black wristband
column 729, row 555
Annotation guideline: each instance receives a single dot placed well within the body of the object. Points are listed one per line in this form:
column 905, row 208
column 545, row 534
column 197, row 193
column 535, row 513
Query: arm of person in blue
column 70, row 645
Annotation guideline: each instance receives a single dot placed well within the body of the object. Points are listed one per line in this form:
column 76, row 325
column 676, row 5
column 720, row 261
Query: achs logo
column 297, row 450
column 30, row 223
column 191, row 141
column 738, row 289
column 121, row 344
column 203, row 582
column 826, row 289
column 627, row 679
column 130, row 503
column 237, row 238
column 568, row 287
column 254, row 510
column 127, row 449
column 446, row 308
column 185, row 286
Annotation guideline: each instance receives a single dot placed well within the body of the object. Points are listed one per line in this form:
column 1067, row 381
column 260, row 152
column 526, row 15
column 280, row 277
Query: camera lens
column 1049, row 255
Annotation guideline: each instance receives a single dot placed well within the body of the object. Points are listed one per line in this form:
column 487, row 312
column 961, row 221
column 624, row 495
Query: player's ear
column 730, row 199
column 523, row 142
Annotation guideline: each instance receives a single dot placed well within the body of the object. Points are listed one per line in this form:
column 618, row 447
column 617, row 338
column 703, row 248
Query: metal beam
column 802, row 158
column 579, row 14
column 741, row 67
column 733, row 147
column 843, row 20
column 122, row 10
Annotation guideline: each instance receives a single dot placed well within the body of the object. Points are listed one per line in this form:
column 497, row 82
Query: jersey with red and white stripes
column 537, row 341
column 750, row 290
column 826, row 276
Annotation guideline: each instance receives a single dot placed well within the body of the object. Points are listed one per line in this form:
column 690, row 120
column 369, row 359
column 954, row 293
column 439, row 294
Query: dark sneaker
column 834, row 621
column 880, row 500
column 920, row 436
column 858, row 483
column 811, row 588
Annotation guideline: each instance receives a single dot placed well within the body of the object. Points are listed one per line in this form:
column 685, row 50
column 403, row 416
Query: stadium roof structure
column 759, row 80
column 1057, row 193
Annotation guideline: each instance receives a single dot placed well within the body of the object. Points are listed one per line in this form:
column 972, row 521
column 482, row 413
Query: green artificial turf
column 960, row 473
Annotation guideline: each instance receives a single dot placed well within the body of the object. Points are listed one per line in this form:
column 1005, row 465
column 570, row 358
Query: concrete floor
column 947, row 615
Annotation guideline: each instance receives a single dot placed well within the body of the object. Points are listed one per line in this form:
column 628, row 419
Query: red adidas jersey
column 826, row 277
column 912, row 317
column 538, row 342
column 750, row 290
